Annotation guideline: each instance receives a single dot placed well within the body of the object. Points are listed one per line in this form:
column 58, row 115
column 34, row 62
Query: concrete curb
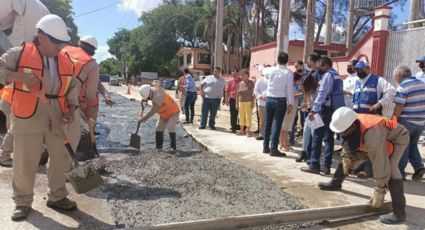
column 286, row 217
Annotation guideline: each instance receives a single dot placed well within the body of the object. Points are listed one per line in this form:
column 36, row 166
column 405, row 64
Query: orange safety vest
column 6, row 94
column 368, row 121
column 80, row 58
column 169, row 107
column 24, row 103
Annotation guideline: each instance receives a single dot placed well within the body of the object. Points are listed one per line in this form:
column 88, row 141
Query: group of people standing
column 351, row 110
column 46, row 83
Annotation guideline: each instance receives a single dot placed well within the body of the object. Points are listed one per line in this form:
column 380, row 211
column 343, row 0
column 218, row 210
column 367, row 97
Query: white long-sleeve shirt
column 260, row 90
column 281, row 84
column 349, row 86
column 421, row 76
column 384, row 90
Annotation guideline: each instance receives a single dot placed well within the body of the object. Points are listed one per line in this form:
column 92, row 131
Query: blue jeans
column 326, row 134
column 189, row 103
column 209, row 105
column 275, row 111
column 307, row 138
column 411, row 153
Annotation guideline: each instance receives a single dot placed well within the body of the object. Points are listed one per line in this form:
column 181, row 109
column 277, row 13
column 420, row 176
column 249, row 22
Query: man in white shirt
column 350, row 84
column 280, row 100
column 421, row 74
column 260, row 93
column 371, row 91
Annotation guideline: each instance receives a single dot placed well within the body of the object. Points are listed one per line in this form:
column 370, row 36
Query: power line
column 97, row 10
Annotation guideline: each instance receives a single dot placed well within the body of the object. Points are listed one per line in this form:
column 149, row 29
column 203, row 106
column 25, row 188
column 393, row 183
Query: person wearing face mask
column 329, row 97
column 350, row 84
column 371, row 91
column 421, row 74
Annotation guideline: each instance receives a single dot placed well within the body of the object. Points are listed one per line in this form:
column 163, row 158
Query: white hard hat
column 144, row 91
column 54, row 26
column 89, row 40
column 342, row 119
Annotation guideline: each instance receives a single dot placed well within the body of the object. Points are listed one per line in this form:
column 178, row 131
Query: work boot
column 64, row 204
column 159, row 139
column 398, row 214
column 302, row 157
column 418, row 174
column 20, row 213
column 173, row 141
column 7, row 163
column 336, row 183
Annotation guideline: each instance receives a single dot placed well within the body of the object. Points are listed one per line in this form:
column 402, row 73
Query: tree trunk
column 319, row 28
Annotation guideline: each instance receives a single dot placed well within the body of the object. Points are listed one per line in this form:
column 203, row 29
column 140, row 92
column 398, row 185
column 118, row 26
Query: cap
column 361, row 65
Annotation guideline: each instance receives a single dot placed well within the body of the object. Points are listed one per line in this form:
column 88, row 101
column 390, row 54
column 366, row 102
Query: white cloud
column 102, row 53
column 138, row 6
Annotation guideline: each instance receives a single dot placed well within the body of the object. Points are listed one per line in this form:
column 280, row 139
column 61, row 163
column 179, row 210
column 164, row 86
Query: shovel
column 135, row 138
column 82, row 177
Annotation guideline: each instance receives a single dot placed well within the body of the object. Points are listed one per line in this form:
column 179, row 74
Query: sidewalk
column 286, row 173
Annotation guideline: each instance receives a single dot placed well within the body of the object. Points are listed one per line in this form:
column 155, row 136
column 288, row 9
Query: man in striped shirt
column 410, row 111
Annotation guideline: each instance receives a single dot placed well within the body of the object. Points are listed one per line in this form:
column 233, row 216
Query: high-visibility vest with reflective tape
column 6, row 94
column 368, row 121
column 80, row 58
column 169, row 107
column 24, row 103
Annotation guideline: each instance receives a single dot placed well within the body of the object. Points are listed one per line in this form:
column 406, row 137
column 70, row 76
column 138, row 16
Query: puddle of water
column 115, row 125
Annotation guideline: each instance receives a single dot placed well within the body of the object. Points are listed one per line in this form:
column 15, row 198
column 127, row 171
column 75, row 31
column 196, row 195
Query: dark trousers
column 303, row 116
column 323, row 133
column 275, row 112
column 209, row 105
column 189, row 103
column 294, row 128
column 233, row 114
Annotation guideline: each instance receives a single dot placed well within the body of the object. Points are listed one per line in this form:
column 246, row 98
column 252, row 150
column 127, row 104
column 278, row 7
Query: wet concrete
column 153, row 187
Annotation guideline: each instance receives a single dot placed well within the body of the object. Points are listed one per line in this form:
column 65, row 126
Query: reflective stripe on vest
column 24, row 103
column 7, row 94
column 368, row 121
column 366, row 96
column 80, row 58
column 169, row 107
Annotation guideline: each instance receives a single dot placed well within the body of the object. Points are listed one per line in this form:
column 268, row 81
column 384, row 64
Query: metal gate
column 404, row 47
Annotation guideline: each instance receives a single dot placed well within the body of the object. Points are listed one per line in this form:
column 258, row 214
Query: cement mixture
column 154, row 187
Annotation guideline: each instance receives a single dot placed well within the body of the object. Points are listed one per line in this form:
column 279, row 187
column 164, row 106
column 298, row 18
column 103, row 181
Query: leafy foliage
column 63, row 9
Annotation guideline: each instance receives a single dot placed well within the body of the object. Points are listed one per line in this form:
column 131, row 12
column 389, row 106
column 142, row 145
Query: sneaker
column 201, row 127
column 308, row 169
column 7, row 163
column 212, row 128
column 325, row 170
column 259, row 138
column 64, row 204
column 364, row 175
column 418, row 174
column 21, row 212
column 277, row 153
column 266, row 151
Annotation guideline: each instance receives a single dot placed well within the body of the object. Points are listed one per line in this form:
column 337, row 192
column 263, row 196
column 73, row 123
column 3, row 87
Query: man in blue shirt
column 410, row 111
column 191, row 96
column 325, row 103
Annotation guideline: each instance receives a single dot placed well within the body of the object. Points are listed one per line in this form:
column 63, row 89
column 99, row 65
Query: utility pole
column 122, row 52
column 283, row 26
column 218, row 56
column 414, row 6
column 329, row 14
column 309, row 34
column 350, row 29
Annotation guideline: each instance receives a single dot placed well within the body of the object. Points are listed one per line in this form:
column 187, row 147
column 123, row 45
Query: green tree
column 110, row 66
column 63, row 9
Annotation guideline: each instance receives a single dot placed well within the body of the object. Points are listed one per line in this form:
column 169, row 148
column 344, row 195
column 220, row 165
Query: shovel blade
column 84, row 178
column 135, row 141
